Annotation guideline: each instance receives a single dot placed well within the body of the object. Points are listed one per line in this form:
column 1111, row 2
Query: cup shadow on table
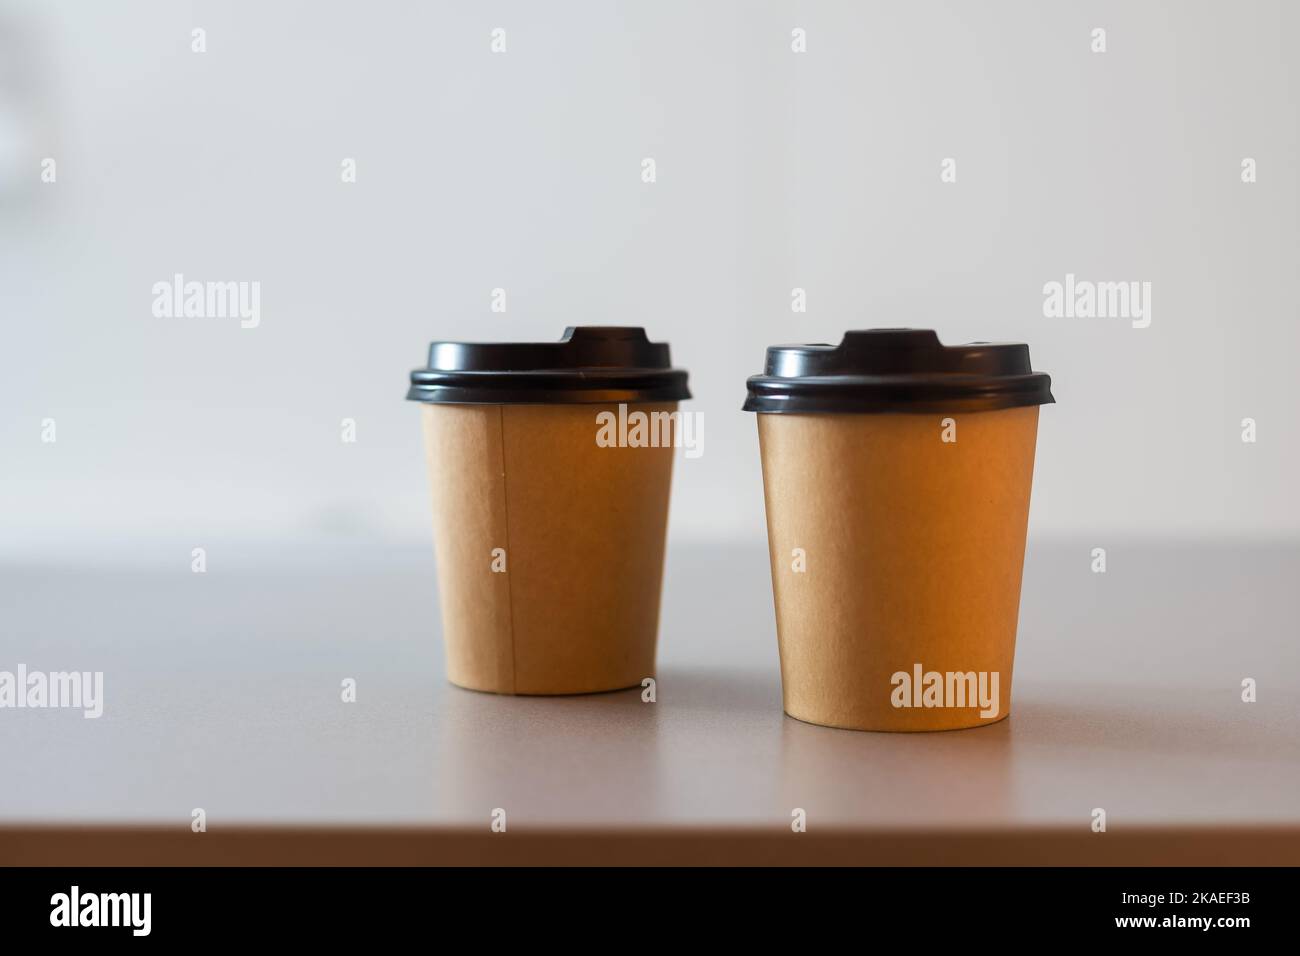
column 609, row 758
column 1192, row 722
column 559, row 760
column 1062, row 750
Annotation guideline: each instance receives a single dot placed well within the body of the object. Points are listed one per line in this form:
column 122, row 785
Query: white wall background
column 522, row 170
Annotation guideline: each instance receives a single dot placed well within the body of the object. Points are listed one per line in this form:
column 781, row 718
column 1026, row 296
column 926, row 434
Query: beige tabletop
column 223, row 692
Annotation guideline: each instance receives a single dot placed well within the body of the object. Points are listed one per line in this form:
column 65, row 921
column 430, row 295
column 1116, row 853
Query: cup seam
column 505, row 503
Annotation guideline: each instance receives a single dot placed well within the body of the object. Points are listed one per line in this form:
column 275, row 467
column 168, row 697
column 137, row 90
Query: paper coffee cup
column 896, row 476
column 550, row 506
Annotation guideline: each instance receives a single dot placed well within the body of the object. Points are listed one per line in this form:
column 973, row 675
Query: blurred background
column 522, row 170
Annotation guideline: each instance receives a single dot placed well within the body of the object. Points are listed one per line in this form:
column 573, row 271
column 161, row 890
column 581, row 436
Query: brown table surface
column 223, row 692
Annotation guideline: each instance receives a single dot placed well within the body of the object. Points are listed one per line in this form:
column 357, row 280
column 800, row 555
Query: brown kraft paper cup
column 896, row 555
column 549, row 546
column 582, row 532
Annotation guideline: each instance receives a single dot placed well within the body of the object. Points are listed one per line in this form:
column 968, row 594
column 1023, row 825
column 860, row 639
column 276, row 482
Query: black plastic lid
column 896, row 370
column 591, row 364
